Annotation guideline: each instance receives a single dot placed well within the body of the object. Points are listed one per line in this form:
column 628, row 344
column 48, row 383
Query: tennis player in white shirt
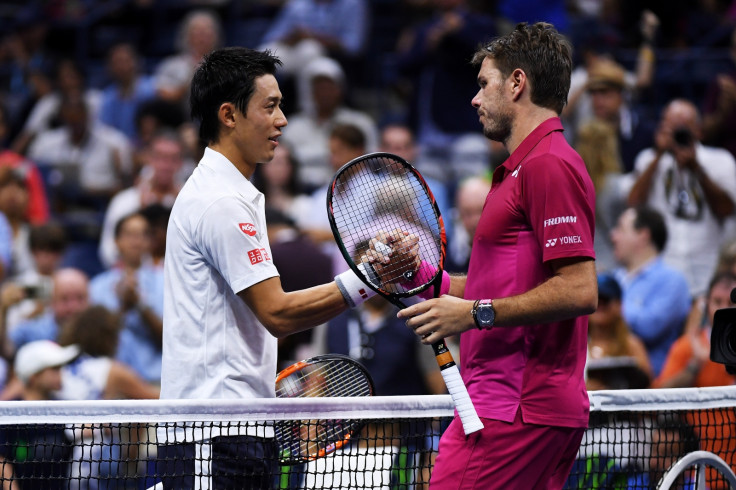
column 224, row 306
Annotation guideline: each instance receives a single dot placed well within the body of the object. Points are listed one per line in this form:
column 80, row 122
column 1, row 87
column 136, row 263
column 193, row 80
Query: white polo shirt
column 216, row 246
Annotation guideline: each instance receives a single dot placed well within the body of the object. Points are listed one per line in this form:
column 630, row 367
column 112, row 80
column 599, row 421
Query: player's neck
column 527, row 119
column 230, row 151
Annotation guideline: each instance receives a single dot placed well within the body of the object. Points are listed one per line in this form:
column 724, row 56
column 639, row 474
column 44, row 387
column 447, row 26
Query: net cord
column 376, row 407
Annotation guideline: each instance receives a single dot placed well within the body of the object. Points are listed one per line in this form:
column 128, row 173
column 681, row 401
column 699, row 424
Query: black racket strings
column 366, row 201
column 325, row 379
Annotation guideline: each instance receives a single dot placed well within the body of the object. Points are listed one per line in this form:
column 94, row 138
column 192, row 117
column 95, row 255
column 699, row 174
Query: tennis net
column 633, row 437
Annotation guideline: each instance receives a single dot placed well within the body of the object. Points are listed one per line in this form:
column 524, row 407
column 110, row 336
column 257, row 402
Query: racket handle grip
column 461, row 399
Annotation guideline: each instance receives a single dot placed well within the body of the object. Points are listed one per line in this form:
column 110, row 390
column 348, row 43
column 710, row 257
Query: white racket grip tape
column 461, row 399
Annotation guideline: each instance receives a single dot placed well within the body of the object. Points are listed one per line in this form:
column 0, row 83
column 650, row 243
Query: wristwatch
column 484, row 314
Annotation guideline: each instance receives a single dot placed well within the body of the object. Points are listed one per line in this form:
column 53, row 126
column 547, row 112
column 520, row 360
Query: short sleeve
column 559, row 201
column 233, row 238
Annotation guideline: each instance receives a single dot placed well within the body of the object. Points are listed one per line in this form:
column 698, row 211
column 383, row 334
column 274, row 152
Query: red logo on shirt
column 258, row 255
column 248, row 228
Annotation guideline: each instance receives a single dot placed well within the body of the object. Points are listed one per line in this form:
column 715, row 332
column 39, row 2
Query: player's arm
column 285, row 313
column 571, row 291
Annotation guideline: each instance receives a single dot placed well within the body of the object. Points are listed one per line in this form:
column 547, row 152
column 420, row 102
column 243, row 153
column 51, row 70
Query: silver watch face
column 485, row 315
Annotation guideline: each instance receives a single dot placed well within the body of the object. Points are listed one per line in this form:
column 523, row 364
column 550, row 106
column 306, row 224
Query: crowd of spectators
column 96, row 141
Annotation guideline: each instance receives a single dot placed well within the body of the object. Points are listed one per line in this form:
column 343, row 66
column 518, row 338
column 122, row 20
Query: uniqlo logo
column 258, row 255
column 248, row 228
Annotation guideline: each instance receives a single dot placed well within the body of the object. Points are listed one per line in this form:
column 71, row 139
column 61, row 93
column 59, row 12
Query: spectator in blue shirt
column 656, row 298
column 307, row 29
column 69, row 297
column 134, row 289
column 128, row 90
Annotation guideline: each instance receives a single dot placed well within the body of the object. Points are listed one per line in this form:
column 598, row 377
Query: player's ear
column 518, row 83
column 226, row 114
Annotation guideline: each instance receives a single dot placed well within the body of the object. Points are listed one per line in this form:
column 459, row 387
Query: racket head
column 329, row 375
column 383, row 192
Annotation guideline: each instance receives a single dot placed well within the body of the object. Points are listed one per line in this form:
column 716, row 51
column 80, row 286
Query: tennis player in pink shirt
column 521, row 311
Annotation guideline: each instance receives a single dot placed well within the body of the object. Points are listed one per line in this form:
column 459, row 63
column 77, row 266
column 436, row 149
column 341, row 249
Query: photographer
column 688, row 362
column 693, row 186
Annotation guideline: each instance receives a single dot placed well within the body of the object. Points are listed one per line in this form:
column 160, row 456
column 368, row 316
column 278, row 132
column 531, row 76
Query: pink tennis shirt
column 541, row 207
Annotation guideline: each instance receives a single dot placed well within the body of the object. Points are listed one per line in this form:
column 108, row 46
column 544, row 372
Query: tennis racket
column 329, row 375
column 381, row 192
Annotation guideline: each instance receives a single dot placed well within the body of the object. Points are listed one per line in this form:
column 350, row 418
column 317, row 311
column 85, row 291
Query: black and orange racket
column 321, row 376
column 379, row 193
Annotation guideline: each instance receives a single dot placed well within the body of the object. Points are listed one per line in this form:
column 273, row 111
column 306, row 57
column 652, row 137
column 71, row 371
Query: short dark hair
column 50, row 237
column 121, row 222
column 544, row 55
column 349, row 134
column 652, row 220
column 727, row 277
column 226, row 75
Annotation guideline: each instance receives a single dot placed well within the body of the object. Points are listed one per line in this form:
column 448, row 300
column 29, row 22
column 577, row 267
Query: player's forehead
column 266, row 87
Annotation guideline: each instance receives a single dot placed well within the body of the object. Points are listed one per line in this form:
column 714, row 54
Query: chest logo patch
column 248, row 228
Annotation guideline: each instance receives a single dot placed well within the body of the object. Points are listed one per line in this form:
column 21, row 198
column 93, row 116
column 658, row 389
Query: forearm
column 288, row 313
column 639, row 193
column 154, row 322
column 559, row 298
column 718, row 200
column 457, row 285
column 683, row 379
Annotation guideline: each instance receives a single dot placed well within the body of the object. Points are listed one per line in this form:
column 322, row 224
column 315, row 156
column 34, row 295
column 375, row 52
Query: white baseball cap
column 38, row 355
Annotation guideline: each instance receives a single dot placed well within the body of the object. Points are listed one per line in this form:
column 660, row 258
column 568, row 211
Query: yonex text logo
column 570, row 239
column 551, row 242
column 559, row 220
column 248, row 228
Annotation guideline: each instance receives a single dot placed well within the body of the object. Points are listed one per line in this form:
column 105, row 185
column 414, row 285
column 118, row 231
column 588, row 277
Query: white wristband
column 353, row 288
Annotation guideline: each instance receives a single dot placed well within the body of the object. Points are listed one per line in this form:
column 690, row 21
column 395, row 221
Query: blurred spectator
column 671, row 439
column 609, row 338
column 433, row 57
column 69, row 82
column 304, row 30
column 322, row 98
column 128, row 90
column 278, row 180
column 598, row 147
column 301, row 264
column 14, row 205
column 157, row 216
column 69, row 296
column 38, row 206
column 688, row 362
column 346, row 142
column 26, row 57
column 95, row 374
column 693, row 186
column 372, row 335
column 93, row 161
column 594, row 46
column 157, row 116
column 727, row 257
column 200, row 33
column 469, row 201
column 27, row 296
column 159, row 182
column 399, row 139
column 133, row 289
column 656, row 300
column 719, row 109
column 100, row 451
column 38, row 456
column 606, row 86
